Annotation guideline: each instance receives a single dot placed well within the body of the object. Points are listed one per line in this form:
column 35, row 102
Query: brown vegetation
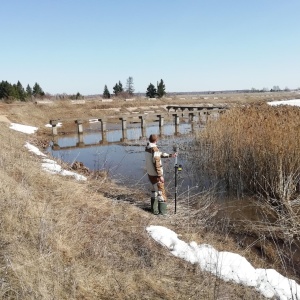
column 62, row 239
column 255, row 152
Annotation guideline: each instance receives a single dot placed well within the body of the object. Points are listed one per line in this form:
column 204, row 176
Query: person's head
column 153, row 138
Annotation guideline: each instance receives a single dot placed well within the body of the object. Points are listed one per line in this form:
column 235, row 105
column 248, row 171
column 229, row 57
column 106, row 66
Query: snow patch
column 294, row 102
column 23, row 128
column 228, row 266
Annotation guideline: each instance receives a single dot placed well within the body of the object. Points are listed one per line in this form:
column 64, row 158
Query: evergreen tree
column 161, row 89
column 78, row 96
column 151, row 91
column 129, row 86
column 14, row 92
column 28, row 91
column 118, row 88
column 5, row 90
column 37, row 90
column 106, row 94
column 20, row 91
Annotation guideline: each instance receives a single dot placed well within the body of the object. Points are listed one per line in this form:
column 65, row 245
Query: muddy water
column 125, row 161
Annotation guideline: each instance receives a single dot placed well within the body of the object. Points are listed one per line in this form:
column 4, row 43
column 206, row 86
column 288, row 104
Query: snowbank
column 48, row 165
column 228, row 266
column 23, row 128
column 294, row 102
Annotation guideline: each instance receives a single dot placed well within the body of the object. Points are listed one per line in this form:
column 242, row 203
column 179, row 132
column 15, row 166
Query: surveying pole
column 177, row 168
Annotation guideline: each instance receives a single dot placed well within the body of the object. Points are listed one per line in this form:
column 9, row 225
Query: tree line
column 17, row 91
column 118, row 90
column 10, row 91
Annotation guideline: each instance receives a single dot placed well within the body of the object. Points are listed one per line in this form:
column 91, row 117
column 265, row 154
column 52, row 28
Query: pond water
column 125, row 161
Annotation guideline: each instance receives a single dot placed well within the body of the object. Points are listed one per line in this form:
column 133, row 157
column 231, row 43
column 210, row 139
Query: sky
column 70, row 46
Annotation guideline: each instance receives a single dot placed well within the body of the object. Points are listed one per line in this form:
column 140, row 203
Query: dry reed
column 62, row 239
column 254, row 152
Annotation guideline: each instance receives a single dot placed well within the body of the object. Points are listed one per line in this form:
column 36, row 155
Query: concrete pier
column 143, row 125
column 80, row 142
column 195, row 115
column 192, row 116
column 79, row 126
column 160, row 120
column 53, row 123
column 124, row 128
column 103, row 130
column 176, row 122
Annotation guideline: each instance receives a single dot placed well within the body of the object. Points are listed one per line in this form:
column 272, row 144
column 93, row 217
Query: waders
column 154, row 203
column 162, row 207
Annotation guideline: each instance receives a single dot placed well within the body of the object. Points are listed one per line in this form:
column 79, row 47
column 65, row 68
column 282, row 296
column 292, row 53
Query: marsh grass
column 62, row 239
column 254, row 152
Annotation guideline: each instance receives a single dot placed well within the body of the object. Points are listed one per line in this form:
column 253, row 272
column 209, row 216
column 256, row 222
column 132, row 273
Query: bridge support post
column 124, row 128
column 55, row 145
column 80, row 142
column 79, row 126
column 103, row 130
column 176, row 121
column 192, row 117
column 161, row 124
column 143, row 125
column 53, row 123
column 192, row 120
column 160, row 120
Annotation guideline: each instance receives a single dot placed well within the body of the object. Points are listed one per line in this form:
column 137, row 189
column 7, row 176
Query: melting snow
column 294, row 102
column 23, row 128
column 228, row 266
column 48, row 165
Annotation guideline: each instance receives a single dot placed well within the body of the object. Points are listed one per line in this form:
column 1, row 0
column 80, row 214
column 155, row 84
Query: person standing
column 155, row 174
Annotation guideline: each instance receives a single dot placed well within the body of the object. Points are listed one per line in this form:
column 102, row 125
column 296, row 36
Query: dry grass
column 62, row 239
column 254, row 151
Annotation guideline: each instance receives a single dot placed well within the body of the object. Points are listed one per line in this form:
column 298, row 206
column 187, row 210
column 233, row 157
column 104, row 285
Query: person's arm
column 166, row 155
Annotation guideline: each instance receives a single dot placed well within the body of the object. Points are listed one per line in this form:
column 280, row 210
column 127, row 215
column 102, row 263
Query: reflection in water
column 125, row 162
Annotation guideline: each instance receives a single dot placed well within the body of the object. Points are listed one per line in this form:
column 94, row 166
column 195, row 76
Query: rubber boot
column 162, row 208
column 154, row 206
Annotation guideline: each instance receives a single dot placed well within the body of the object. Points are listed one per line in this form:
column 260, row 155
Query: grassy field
column 63, row 239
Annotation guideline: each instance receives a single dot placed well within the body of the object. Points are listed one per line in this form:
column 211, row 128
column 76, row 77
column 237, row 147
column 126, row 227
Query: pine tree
column 129, row 86
column 106, row 94
column 5, row 90
column 161, row 89
column 37, row 90
column 14, row 93
column 28, row 91
column 21, row 91
column 78, row 96
column 118, row 88
column 151, row 91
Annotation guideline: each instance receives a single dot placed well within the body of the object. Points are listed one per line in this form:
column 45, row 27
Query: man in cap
column 155, row 173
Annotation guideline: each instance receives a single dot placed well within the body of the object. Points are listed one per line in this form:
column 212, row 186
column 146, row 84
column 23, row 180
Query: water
column 125, row 162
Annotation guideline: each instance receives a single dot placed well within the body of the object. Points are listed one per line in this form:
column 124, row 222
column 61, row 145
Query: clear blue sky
column 70, row 46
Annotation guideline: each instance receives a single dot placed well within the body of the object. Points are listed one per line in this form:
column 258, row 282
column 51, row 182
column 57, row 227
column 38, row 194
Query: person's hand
column 161, row 179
